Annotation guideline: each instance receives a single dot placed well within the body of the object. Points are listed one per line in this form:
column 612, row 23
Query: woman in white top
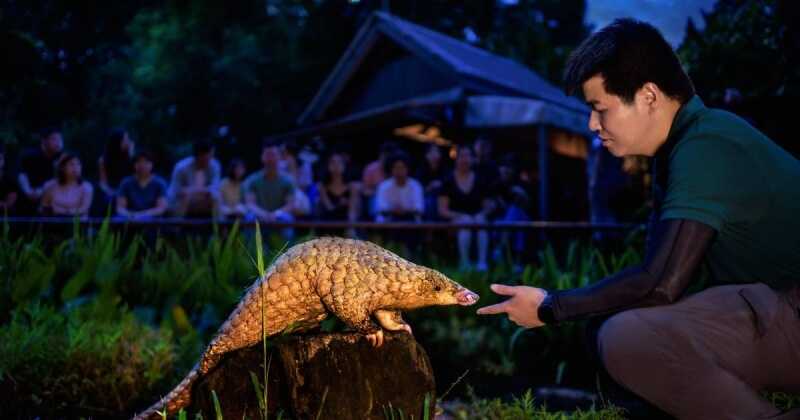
column 67, row 194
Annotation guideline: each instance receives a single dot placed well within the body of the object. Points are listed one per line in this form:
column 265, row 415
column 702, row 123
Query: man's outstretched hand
column 523, row 306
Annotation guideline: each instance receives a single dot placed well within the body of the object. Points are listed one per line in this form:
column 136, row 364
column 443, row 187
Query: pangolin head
column 434, row 288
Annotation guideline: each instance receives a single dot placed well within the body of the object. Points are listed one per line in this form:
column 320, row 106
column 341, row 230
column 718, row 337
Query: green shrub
column 80, row 361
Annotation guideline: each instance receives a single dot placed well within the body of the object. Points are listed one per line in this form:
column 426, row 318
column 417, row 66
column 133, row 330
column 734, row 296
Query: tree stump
column 326, row 376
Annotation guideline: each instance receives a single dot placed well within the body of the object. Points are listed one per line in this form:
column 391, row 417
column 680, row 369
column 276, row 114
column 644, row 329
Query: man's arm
column 122, row 206
column 252, row 205
column 676, row 248
column 26, row 188
column 158, row 210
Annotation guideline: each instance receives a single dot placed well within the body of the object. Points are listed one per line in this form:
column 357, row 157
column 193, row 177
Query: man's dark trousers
column 709, row 355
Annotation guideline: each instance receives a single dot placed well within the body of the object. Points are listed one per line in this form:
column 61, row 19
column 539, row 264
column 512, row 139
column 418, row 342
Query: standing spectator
column 194, row 187
column 400, row 197
column 36, row 168
column 143, row 195
column 465, row 199
column 68, row 194
column 512, row 204
column 115, row 163
column 231, row 203
column 268, row 193
column 484, row 164
column 8, row 188
column 373, row 175
column 338, row 197
column 432, row 175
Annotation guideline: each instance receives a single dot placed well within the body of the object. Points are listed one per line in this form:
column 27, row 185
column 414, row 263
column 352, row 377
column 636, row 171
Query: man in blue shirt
column 143, row 195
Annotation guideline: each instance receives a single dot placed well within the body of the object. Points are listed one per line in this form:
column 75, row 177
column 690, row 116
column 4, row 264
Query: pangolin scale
column 354, row 280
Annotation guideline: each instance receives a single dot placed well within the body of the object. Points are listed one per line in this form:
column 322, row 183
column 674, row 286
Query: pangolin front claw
column 376, row 338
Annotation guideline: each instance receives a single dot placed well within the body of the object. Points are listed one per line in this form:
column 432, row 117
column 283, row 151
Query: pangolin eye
column 437, row 288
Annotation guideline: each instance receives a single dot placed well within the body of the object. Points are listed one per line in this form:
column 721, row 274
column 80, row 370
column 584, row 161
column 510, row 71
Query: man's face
column 204, row 159
column 270, row 156
column 624, row 128
column 143, row 166
column 400, row 171
column 53, row 143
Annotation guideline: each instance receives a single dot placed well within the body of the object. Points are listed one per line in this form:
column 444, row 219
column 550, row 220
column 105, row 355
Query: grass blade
column 217, row 407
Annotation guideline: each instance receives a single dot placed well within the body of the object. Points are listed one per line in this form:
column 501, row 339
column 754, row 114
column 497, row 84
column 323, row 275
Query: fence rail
column 422, row 226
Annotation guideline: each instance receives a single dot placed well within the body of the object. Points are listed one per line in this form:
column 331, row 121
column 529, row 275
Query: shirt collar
column 686, row 115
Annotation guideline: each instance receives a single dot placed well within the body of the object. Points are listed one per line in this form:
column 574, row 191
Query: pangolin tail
column 177, row 398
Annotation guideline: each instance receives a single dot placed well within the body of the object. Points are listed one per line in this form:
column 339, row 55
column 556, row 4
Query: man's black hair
column 628, row 53
column 396, row 156
column 202, row 147
column 268, row 142
column 143, row 154
column 46, row 131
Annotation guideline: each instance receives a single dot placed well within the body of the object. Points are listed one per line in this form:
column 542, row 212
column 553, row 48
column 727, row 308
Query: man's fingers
column 497, row 308
column 502, row 289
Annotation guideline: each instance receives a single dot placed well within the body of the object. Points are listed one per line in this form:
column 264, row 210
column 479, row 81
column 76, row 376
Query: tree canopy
column 178, row 70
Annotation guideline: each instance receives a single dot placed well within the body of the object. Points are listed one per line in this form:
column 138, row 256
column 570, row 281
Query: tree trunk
column 325, row 376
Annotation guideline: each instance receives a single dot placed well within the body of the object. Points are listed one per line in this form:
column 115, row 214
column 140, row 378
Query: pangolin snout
column 466, row 297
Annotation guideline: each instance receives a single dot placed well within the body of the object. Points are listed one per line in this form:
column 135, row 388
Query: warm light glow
column 423, row 133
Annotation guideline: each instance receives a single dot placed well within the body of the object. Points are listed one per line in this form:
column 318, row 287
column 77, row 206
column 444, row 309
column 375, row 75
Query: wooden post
column 326, row 376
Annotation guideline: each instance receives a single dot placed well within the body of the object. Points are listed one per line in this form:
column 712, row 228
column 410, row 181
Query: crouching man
column 725, row 195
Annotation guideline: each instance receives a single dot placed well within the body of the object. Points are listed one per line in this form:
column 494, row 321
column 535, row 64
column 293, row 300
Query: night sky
column 669, row 16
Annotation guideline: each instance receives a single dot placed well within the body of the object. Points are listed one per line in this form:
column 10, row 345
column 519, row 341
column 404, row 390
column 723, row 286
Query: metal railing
column 325, row 225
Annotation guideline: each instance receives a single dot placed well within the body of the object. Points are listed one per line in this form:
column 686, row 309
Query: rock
column 326, row 376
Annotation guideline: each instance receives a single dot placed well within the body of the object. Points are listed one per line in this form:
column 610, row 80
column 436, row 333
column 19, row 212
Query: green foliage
column 783, row 400
column 522, row 408
column 739, row 37
column 217, row 406
column 80, row 360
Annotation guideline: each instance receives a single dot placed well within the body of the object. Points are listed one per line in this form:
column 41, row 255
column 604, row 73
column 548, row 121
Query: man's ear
column 651, row 95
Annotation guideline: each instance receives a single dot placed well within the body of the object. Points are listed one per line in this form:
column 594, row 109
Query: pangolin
column 351, row 279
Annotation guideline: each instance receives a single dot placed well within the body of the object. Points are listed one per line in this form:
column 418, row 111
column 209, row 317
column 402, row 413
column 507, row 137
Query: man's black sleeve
column 675, row 249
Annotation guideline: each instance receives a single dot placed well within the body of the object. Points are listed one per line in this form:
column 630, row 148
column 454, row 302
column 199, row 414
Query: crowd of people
column 472, row 188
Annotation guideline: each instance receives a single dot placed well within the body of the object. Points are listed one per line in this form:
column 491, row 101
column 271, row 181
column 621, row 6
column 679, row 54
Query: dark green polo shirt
column 723, row 172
